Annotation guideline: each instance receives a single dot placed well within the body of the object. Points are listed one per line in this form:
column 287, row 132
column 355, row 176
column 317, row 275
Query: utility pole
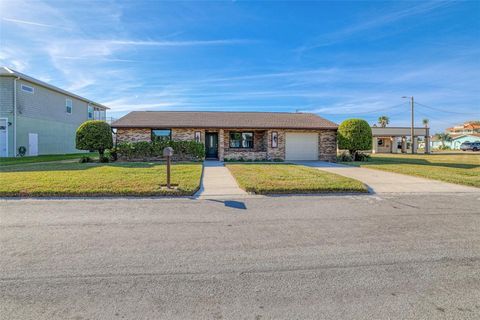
column 412, row 129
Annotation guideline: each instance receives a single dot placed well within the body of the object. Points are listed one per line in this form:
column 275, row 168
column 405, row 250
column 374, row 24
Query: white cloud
column 126, row 104
column 377, row 20
column 179, row 43
column 15, row 60
column 32, row 23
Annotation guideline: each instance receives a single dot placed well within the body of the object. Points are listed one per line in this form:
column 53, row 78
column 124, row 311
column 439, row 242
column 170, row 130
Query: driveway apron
column 218, row 181
column 387, row 182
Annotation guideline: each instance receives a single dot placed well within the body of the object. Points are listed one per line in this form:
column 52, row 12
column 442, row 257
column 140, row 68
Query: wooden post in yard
column 168, row 152
column 168, row 172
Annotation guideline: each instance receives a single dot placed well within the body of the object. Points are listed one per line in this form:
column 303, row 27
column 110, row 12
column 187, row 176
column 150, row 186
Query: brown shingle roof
column 247, row 120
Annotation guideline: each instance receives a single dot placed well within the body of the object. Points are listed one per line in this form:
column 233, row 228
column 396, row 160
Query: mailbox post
column 168, row 153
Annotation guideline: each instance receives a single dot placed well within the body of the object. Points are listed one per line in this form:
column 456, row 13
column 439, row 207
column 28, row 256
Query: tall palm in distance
column 383, row 121
column 425, row 122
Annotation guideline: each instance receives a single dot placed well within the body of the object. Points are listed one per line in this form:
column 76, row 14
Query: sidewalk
column 218, row 181
column 388, row 182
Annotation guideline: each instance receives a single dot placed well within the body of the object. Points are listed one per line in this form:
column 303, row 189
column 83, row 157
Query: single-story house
column 394, row 139
column 456, row 141
column 237, row 135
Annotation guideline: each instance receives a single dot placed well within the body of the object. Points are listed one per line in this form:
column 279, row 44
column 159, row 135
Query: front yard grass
column 454, row 168
column 45, row 158
column 98, row 179
column 290, row 178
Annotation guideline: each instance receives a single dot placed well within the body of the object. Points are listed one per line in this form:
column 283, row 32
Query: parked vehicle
column 474, row 146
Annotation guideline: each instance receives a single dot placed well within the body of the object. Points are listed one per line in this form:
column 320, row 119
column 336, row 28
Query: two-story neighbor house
column 40, row 117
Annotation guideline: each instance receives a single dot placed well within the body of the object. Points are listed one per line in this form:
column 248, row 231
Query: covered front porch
column 398, row 139
column 240, row 144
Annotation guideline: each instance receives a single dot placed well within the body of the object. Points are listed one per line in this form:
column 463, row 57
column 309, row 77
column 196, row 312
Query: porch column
column 375, row 145
column 221, row 145
column 414, row 144
column 427, row 141
column 394, row 144
column 404, row 144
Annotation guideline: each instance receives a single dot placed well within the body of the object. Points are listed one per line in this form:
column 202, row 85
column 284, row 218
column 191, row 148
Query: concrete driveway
column 314, row 257
column 387, row 182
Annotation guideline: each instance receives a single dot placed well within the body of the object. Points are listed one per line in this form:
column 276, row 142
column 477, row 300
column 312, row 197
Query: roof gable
column 247, row 120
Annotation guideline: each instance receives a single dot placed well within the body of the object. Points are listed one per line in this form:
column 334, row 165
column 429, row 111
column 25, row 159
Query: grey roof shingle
column 213, row 119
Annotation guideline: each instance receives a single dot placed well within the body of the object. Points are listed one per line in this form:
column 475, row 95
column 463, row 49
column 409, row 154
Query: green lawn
column 290, row 178
column 98, row 179
column 45, row 158
column 455, row 168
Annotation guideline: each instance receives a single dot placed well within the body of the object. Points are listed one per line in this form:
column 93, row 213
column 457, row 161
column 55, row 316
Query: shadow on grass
column 423, row 162
column 77, row 166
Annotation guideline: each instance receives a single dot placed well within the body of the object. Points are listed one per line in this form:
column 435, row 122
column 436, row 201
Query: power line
column 441, row 110
column 430, row 117
column 368, row 112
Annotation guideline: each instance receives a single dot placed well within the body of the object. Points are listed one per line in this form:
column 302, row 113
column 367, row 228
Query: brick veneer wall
column 327, row 146
column 279, row 151
column 133, row 134
column 181, row 134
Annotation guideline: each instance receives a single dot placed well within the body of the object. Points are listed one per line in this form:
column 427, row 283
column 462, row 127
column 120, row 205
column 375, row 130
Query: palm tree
column 425, row 122
column 383, row 121
column 443, row 137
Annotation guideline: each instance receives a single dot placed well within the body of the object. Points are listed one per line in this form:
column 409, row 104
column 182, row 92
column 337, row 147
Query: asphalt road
column 328, row 257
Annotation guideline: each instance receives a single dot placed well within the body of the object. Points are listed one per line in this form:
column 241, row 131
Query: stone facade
column 134, row 134
column 279, row 151
column 182, row 134
column 262, row 145
column 327, row 145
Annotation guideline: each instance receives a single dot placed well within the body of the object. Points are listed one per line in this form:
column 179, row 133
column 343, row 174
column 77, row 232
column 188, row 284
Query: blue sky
column 337, row 59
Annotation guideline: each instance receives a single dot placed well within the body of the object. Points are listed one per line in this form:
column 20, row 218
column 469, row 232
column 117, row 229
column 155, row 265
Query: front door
column 211, row 145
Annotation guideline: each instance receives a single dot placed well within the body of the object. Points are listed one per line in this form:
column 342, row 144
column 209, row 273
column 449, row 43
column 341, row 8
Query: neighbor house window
column 161, row 134
column 241, row 139
column 27, row 88
column 68, row 105
column 90, row 112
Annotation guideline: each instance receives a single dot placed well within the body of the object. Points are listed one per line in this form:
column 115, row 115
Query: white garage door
column 301, row 146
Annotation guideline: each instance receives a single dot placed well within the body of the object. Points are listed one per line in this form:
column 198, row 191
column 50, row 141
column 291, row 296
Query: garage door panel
column 301, row 146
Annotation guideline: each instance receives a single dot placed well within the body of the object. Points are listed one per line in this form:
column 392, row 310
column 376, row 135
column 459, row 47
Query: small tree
column 94, row 135
column 354, row 135
column 443, row 137
column 383, row 121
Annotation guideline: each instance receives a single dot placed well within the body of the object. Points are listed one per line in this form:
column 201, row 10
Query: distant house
column 456, row 141
column 39, row 117
column 466, row 128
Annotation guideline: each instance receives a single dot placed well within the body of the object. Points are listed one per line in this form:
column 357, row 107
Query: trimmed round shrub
column 354, row 135
column 94, row 135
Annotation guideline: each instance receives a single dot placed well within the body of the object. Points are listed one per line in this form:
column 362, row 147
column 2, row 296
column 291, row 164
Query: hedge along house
column 40, row 117
column 237, row 135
